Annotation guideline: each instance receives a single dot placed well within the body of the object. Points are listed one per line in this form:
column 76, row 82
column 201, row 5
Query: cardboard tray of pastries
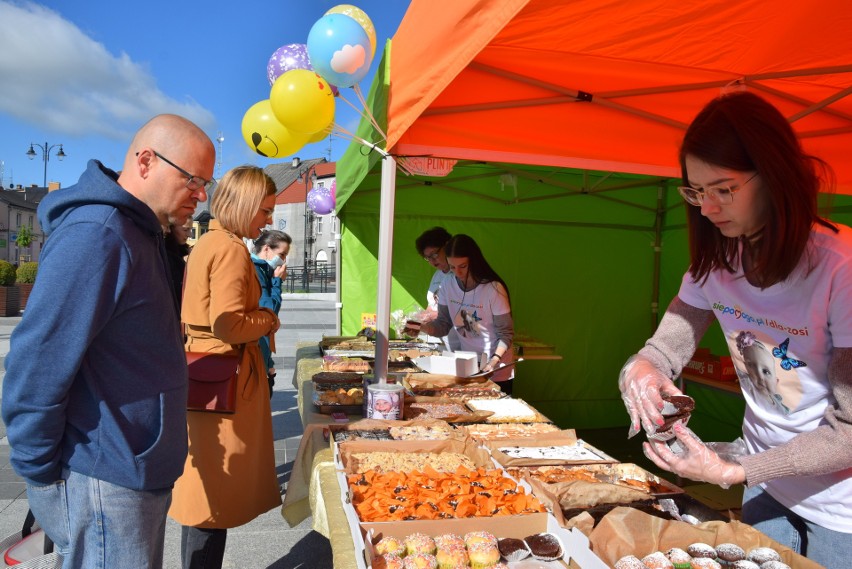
column 507, row 410
column 557, row 448
column 624, row 475
column 438, row 385
column 502, row 431
column 446, row 409
column 345, row 364
column 353, row 456
column 338, row 392
column 379, row 429
column 627, row 531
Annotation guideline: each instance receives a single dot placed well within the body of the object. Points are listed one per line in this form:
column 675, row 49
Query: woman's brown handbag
column 212, row 381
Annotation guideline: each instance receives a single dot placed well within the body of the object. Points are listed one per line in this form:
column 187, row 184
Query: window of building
column 319, row 225
column 31, row 221
column 18, row 219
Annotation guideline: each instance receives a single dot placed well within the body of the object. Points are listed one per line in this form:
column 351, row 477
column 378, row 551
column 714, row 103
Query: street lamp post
column 310, row 177
column 45, row 153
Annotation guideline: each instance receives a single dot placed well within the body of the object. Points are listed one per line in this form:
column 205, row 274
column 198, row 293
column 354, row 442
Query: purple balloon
column 321, row 201
column 286, row 58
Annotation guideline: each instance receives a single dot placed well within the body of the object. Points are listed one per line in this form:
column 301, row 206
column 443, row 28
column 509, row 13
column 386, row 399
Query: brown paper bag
column 626, row 531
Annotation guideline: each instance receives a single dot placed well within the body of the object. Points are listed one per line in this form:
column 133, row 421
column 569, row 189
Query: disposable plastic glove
column 641, row 385
column 696, row 462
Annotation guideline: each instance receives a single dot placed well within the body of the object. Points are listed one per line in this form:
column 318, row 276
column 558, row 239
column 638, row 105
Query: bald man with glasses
column 94, row 397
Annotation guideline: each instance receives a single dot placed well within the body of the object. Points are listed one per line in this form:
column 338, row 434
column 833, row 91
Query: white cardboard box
column 460, row 364
column 576, row 545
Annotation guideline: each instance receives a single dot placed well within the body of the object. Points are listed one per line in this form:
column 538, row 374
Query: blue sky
column 88, row 74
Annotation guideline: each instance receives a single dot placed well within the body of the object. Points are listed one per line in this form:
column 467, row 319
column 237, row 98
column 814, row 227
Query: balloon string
column 360, row 94
column 363, row 111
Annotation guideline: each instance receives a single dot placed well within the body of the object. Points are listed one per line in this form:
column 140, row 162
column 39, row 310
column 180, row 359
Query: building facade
column 18, row 209
column 315, row 237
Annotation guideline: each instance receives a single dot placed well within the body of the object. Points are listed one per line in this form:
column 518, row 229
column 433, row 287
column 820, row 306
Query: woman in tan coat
column 229, row 477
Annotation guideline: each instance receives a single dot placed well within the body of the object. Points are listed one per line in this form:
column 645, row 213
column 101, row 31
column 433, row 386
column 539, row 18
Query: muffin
column 774, row 564
column 388, row 561
column 705, row 563
column 701, row 550
column 448, row 539
column 512, row 549
column 420, row 561
column 483, row 555
column 657, row 560
column 475, row 537
column 727, row 553
column 451, row 557
column 761, row 555
column 419, row 543
column 544, row 546
column 744, row 564
column 679, row 558
column 630, row 562
column 390, row 545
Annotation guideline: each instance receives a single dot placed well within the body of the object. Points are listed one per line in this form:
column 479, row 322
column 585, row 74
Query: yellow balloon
column 268, row 137
column 302, row 101
column 319, row 135
column 362, row 18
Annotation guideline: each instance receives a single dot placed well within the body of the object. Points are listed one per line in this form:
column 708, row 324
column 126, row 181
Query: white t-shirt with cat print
column 780, row 339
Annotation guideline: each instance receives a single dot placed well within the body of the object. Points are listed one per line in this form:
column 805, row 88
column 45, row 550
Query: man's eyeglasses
column 720, row 195
column 193, row 183
column 432, row 257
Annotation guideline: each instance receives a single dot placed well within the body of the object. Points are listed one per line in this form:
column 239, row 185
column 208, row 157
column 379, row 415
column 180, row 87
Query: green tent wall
column 591, row 259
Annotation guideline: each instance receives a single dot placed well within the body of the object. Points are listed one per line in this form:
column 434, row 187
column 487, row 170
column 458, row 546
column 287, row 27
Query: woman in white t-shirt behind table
column 474, row 306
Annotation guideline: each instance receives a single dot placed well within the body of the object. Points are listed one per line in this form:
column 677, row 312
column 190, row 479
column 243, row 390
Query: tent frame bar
column 604, row 99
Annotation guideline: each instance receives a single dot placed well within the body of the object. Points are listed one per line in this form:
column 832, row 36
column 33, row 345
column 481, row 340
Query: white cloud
column 58, row 78
column 349, row 59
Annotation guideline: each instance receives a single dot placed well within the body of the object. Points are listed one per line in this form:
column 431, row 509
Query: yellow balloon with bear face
column 268, row 137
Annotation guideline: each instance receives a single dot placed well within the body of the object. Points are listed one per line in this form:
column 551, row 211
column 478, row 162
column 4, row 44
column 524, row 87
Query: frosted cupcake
column 483, row 555
column 390, row 545
column 420, row 561
column 448, row 540
column 388, row 561
column 476, row 537
column 452, row 557
column 419, row 543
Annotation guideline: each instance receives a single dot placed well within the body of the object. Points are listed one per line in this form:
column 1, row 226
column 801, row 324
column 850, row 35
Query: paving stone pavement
column 268, row 541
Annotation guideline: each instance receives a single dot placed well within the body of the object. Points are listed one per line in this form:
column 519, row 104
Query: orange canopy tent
column 608, row 84
column 589, row 86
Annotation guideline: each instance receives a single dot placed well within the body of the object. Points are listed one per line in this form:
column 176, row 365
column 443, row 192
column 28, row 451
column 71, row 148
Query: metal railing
column 320, row 277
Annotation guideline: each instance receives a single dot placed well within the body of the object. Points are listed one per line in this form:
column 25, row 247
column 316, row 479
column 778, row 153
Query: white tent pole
column 386, row 213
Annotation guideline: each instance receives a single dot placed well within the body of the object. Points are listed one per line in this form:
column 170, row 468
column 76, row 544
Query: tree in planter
column 25, row 277
column 9, row 294
column 24, row 237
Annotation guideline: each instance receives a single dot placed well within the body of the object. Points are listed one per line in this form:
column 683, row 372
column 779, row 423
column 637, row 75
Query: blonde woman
column 229, row 477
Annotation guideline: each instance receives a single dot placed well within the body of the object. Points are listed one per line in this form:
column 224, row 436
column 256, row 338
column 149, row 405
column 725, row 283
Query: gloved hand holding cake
column 676, row 408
